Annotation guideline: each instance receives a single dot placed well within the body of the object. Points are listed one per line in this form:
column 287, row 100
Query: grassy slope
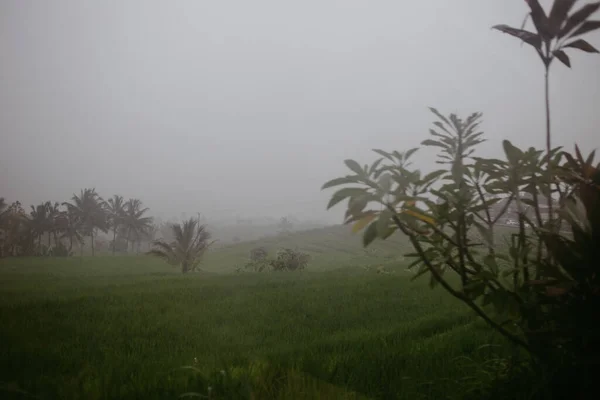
column 114, row 327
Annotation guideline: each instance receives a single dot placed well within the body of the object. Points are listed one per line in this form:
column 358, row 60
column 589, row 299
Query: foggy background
column 245, row 108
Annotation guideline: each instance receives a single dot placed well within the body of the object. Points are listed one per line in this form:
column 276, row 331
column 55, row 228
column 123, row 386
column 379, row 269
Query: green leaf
column 562, row 57
column 432, row 176
column 485, row 233
column 409, row 153
column 439, row 115
column 475, row 289
column 383, row 223
column 581, row 45
column 513, row 154
column 355, row 167
column 420, row 272
column 385, row 183
column 586, row 27
column 370, row 234
column 431, row 142
column 357, row 204
column 490, row 262
column 578, row 17
column 375, row 165
column 343, row 194
column 526, row 36
column 339, row 181
column 384, row 153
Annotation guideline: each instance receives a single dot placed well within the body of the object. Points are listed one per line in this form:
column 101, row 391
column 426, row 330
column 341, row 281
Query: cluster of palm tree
column 58, row 226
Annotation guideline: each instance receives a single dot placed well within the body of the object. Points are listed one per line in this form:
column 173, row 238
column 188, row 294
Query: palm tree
column 134, row 221
column 3, row 218
column 190, row 244
column 115, row 207
column 88, row 210
column 16, row 227
column 40, row 221
column 71, row 229
column 54, row 221
column 3, row 208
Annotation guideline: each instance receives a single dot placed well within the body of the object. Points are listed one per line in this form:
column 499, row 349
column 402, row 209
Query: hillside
column 330, row 248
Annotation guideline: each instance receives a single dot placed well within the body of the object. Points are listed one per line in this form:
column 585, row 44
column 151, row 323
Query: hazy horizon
column 246, row 108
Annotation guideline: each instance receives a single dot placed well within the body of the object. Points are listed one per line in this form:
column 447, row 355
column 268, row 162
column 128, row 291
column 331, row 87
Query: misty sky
column 247, row 107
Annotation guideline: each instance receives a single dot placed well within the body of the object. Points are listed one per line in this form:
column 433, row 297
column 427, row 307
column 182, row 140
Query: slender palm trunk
column 92, row 239
column 548, row 141
column 114, row 244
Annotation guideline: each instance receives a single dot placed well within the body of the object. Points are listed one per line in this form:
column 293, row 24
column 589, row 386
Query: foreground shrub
column 542, row 290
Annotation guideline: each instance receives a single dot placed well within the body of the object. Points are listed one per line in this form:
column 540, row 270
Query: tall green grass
column 99, row 328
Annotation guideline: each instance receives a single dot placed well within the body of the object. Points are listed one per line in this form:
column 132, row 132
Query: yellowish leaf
column 420, row 216
column 364, row 221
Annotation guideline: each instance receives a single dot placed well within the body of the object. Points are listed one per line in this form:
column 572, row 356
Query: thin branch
column 456, row 294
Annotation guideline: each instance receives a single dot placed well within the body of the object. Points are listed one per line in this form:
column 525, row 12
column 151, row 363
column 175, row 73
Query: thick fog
column 247, row 107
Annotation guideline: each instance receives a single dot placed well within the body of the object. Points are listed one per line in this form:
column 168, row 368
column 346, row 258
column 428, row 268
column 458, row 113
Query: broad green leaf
column 475, row 289
column 526, row 36
column 375, row 165
column 360, row 225
column 339, row 181
column 581, row 45
column 490, row 262
column 513, row 154
column 383, row 223
column 390, row 232
column 342, row 194
column 355, row 167
column 578, row 17
column 370, row 234
column 357, row 204
column 385, row 183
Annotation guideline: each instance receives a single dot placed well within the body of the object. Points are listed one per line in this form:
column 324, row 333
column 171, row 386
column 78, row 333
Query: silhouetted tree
column 191, row 242
column 89, row 211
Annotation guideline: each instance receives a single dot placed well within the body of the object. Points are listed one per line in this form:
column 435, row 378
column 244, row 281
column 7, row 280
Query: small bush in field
column 290, row 260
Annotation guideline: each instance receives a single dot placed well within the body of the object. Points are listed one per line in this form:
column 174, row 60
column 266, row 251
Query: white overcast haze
column 247, row 107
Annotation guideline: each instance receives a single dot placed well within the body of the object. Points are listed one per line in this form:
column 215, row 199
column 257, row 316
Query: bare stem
column 548, row 141
column 459, row 295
